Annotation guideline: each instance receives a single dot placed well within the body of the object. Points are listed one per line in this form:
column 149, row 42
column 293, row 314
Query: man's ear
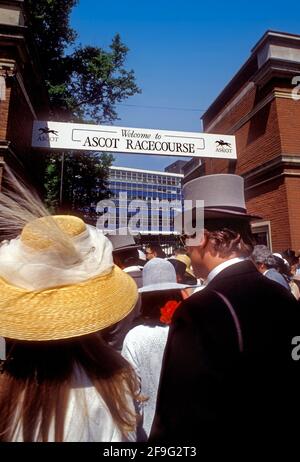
column 197, row 240
column 203, row 241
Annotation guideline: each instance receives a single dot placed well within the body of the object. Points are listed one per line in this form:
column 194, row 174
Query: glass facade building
column 145, row 199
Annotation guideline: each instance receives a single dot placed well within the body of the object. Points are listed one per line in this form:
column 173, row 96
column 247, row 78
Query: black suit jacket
column 208, row 387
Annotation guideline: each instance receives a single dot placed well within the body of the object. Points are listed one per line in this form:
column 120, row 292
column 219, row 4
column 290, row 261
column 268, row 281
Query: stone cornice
column 282, row 166
column 275, row 68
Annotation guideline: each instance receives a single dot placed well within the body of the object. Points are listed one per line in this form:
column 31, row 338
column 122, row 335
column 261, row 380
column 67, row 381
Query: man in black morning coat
column 228, row 368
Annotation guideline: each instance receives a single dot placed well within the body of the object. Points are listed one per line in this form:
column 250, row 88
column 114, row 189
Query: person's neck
column 216, row 261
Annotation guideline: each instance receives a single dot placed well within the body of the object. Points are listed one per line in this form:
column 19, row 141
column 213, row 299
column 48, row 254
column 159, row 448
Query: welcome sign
column 61, row 135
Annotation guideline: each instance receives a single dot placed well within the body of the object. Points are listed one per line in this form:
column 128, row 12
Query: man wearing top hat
column 228, row 369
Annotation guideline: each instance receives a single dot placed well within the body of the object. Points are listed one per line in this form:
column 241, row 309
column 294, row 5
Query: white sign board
column 86, row 137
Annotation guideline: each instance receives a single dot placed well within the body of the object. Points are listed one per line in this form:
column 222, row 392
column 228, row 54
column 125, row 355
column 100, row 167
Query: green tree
column 84, row 83
column 80, row 188
column 87, row 82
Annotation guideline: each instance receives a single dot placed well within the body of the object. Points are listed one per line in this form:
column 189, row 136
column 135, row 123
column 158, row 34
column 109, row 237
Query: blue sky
column 183, row 54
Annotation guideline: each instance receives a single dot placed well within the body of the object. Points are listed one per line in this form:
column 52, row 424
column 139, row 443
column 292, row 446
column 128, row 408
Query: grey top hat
column 223, row 195
column 159, row 274
column 122, row 241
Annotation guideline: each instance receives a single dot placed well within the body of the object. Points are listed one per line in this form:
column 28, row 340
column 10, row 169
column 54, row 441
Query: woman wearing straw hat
column 144, row 344
column 59, row 288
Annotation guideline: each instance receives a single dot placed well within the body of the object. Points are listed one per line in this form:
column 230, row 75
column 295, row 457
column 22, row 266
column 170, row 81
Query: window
column 262, row 233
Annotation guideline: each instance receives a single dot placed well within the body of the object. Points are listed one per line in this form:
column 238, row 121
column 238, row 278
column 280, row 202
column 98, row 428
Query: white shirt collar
column 221, row 267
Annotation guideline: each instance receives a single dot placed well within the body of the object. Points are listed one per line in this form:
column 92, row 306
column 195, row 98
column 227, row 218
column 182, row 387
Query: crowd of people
column 102, row 341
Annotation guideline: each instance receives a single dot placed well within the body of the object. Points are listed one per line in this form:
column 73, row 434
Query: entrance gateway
column 62, row 136
column 88, row 137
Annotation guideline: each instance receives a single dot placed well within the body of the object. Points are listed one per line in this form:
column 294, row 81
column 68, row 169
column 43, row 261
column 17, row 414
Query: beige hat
column 57, row 281
column 188, row 262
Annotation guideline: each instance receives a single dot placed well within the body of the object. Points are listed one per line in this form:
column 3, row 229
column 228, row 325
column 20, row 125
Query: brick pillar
column 4, row 110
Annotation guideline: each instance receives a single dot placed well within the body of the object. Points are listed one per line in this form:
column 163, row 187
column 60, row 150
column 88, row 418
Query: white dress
column 144, row 347
column 87, row 417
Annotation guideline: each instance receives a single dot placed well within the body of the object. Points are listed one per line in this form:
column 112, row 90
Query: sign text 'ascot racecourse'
column 85, row 137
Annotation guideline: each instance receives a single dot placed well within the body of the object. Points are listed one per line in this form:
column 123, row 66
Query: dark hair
column 179, row 267
column 37, row 377
column 126, row 257
column 157, row 249
column 230, row 236
column 290, row 256
column 152, row 302
column 282, row 267
column 180, row 251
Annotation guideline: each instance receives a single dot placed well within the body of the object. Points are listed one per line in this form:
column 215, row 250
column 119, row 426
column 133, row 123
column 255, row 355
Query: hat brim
column 66, row 311
column 221, row 213
column 216, row 213
column 190, row 272
column 127, row 247
column 165, row 286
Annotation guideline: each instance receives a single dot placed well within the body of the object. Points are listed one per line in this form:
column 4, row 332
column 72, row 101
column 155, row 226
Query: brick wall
column 234, row 114
column 258, row 140
column 4, row 107
column 272, row 131
column 288, row 112
column 16, row 127
column 270, row 201
column 293, row 200
column 20, row 123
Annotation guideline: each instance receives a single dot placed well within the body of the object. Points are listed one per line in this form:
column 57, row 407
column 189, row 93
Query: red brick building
column 23, row 97
column 259, row 107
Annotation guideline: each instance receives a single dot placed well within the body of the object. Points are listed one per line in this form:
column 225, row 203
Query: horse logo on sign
column 47, row 131
column 223, row 143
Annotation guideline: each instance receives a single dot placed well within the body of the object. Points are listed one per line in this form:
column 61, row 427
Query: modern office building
column 146, row 199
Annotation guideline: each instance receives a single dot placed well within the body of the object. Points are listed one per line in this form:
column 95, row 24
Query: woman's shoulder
column 88, row 417
column 141, row 334
column 145, row 329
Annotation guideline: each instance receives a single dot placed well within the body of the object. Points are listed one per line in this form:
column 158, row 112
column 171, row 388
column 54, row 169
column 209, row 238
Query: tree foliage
column 84, row 83
column 80, row 188
column 87, row 82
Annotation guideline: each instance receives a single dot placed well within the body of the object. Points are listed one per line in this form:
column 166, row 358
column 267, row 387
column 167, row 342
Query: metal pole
column 61, row 178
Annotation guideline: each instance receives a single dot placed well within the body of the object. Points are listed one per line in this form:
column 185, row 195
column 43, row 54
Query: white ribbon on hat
column 30, row 269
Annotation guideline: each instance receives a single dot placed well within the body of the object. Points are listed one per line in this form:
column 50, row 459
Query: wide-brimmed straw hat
column 160, row 275
column 58, row 281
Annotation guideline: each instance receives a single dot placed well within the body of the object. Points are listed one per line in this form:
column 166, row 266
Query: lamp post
column 61, row 178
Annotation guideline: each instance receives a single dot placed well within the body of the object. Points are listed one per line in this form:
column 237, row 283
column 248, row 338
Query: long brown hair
column 37, row 377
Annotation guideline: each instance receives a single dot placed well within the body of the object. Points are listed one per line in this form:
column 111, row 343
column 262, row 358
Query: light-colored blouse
column 87, row 419
column 144, row 347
